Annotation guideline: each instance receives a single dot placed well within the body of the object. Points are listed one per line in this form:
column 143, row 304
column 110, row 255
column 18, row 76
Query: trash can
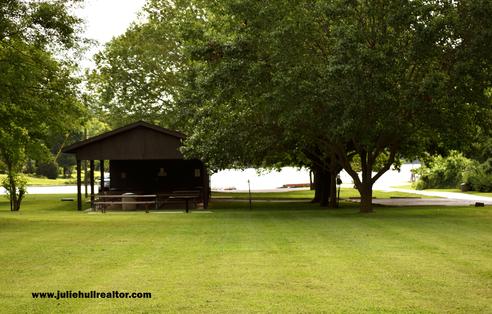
column 127, row 198
column 464, row 187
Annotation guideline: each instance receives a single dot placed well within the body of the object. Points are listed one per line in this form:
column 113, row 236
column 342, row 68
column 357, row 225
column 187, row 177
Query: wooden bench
column 104, row 201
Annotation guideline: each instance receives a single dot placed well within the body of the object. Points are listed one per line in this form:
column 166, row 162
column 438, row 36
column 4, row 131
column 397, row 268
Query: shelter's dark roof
column 140, row 124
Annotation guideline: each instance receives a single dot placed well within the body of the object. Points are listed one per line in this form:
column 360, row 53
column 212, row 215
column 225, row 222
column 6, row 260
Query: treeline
column 331, row 85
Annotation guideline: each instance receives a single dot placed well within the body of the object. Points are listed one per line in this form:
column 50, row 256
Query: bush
column 445, row 172
column 480, row 178
column 48, row 169
column 30, row 167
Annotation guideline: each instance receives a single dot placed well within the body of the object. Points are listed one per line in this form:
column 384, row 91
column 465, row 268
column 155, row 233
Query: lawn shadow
column 347, row 210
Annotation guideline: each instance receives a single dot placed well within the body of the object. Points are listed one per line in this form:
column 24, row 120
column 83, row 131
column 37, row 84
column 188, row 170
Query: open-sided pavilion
column 143, row 159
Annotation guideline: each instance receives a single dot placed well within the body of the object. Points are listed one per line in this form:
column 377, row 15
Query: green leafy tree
column 346, row 79
column 13, row 154
column 324, row 81
column 143, row 74
column 37, row 89
column 138, row 74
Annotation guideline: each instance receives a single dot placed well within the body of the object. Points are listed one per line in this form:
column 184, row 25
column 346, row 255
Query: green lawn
column 306, row 194
column 277, row 258
column 42, row 181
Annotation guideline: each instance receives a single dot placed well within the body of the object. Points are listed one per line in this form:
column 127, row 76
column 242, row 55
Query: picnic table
column 102, row 201
column 105, row 200
column 183, row 195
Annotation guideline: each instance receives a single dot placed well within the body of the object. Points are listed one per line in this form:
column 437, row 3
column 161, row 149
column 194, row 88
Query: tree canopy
column 324, row 81
column 138, row 74
column 38, row 93
column 346, row 79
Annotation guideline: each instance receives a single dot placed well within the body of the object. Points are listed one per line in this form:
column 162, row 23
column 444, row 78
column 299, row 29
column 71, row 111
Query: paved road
column 445, row 198
column 425, row 202
column 450, row 195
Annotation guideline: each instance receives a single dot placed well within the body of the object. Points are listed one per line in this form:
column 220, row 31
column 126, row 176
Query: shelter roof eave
column 72, row 149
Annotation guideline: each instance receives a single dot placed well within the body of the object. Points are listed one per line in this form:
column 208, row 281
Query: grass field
column 277, row 258
column 307, row 194
column 42, row 181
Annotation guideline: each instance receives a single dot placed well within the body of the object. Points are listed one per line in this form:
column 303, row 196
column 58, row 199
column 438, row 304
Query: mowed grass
column 42, row 181
column 307, row 194
column 277, row 258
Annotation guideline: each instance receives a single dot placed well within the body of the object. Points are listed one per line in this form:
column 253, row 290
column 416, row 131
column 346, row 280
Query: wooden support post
column 79, row 185
column 101, row 167
column 85, row 179
column 206, row 186
column 92, row 182
column 85, row 166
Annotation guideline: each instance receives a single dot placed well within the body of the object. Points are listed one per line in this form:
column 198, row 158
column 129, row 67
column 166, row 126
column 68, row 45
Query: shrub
column 30, row 167
column 48, row 169
column 480, row 178
column 445, row 172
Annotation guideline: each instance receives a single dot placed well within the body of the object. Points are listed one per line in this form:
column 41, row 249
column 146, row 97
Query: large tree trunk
column 367, row 159
column 324, row 188
column 365, row 186
column 316, row 185
column 365, row 190
column 321, row 186
column 333, row 189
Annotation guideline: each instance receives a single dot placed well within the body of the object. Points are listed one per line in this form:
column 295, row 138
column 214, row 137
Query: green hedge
column 452, row 171
column 444, row 172
column 480, row 178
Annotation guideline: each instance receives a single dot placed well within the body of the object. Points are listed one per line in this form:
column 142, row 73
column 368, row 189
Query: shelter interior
column 154, row 176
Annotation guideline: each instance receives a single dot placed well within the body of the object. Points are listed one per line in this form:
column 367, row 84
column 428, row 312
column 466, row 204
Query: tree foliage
column 138, row 74
column 37, row 88
column 346, row 78
column 444, row 172
column 318, row 82
column 480, row 177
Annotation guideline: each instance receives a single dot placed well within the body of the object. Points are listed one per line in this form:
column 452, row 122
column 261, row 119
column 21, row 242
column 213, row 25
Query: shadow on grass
column 285, row 209
column 347, row 210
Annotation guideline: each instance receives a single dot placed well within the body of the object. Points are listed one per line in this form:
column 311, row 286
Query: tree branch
column 387, row 165
column 345, row 163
